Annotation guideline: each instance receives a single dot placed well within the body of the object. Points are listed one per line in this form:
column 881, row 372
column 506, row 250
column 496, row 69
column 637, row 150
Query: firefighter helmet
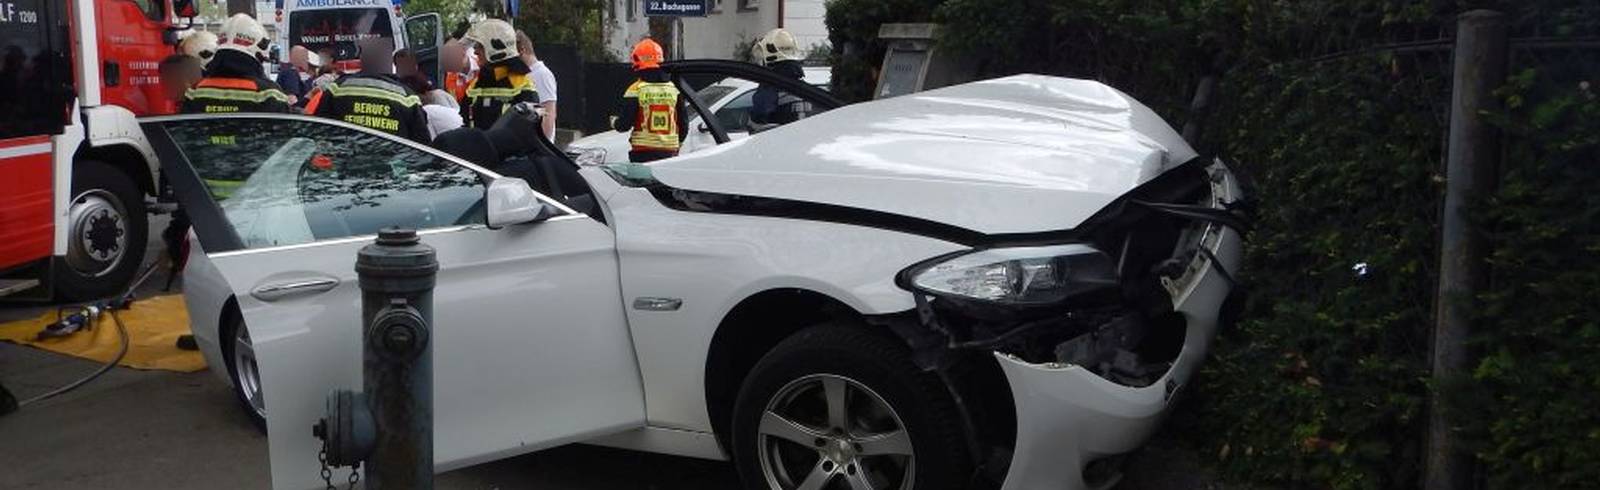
column 242, row 33
column 647, row 54
column 200, row 44
column 778, row 45
column 496, row 38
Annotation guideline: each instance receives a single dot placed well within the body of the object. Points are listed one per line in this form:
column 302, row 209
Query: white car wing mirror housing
column 510, row 201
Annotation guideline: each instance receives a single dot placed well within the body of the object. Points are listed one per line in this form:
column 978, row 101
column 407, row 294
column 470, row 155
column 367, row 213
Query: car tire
column 232, row 333
column 106, row 232
column 788, row 429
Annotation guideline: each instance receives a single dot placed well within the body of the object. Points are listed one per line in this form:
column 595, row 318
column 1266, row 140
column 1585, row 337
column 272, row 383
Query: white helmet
column 496, row 38
column 778, row 45
column 200, row 44
column 242, row 33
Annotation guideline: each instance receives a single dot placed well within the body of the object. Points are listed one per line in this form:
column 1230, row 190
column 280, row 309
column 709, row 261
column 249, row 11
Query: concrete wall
column 728, row 25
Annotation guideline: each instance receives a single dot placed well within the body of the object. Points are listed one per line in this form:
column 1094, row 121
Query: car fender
column 704, row 264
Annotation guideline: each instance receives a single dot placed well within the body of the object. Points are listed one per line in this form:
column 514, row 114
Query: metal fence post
column 1471, row 160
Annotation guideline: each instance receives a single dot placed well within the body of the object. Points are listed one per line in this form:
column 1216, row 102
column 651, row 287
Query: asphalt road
column 136, row 429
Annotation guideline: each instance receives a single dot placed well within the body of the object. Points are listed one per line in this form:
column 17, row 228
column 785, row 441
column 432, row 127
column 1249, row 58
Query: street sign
column 675, row 8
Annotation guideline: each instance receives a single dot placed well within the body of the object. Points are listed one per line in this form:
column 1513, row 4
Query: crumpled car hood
column 1021, row 154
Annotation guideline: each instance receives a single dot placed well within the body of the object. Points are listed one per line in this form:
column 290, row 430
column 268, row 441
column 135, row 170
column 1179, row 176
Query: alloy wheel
column 824, row 431
column 246, row 376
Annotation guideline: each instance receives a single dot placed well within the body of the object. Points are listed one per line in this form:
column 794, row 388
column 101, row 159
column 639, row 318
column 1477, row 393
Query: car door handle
column 277, row 291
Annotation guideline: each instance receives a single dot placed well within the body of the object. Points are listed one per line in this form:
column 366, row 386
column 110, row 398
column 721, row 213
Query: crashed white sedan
column 1002, row 283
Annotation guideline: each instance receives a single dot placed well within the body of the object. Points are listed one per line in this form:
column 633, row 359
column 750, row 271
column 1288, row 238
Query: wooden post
column 1471, row 160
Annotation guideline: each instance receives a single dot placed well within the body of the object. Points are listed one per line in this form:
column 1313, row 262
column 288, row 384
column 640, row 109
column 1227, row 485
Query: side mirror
column 703, row 128
column 509, row 201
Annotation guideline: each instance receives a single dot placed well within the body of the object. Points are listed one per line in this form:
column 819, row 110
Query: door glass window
column 338, row 30
column 287, row 181
column 33, row 61
column 153, row 9
column 735, row 116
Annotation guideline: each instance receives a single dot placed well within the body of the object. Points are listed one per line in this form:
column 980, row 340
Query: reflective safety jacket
column 456, row 85
column 494, row 91
column 234, row 83
column 655, row 125
column 375, row 101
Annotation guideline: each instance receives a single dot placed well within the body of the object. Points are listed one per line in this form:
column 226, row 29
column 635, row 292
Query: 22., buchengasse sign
column 675, row 8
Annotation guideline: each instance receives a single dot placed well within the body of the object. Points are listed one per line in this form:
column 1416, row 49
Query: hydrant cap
column 398, row 237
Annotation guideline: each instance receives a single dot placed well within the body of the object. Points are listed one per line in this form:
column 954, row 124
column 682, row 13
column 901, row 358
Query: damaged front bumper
column 1090, row 376
column 1068, row 415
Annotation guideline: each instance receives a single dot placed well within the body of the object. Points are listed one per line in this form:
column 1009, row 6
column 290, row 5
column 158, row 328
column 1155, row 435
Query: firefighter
column 649, row 108
column 780, row 53
column 375, row 97
column 234, row 81
column 201, row 45
column 502, row 81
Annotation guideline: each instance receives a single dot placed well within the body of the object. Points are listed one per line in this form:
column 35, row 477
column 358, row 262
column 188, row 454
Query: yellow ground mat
column 154, row 325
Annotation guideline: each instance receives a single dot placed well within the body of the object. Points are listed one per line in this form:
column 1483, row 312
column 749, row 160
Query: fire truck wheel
column 106, row 230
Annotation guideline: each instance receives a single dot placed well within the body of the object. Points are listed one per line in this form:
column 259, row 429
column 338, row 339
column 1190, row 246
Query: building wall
column 730, row 23
column 804, row 19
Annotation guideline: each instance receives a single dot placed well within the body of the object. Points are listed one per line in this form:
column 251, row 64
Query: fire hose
column 91, row 311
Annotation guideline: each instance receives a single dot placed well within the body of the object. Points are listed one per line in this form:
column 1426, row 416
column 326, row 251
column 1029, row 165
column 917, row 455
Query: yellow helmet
column 496, row 38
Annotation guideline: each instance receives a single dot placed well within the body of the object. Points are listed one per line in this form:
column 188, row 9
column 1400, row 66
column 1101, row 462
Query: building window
column 633, row 9
column 749, row 4
column 715, row 7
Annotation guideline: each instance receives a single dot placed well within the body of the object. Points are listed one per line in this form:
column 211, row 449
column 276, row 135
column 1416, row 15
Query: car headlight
column 1021, row 276
column 588, row 157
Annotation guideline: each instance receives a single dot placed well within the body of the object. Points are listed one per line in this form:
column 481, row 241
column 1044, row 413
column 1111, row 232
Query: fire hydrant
column 388, row 426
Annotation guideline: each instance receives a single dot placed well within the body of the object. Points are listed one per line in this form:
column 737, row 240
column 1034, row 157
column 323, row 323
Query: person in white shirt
column 543, row 80
column 444, row 114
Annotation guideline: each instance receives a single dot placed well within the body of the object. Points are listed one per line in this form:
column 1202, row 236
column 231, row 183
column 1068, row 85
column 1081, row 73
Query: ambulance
column 336, row 26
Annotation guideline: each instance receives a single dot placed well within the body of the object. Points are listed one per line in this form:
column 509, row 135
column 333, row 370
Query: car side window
column 735, row 115
column 288, row 181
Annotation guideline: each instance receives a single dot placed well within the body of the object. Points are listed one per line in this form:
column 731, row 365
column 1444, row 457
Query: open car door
column 424, row 37
column 530, row 343
column 734, row 118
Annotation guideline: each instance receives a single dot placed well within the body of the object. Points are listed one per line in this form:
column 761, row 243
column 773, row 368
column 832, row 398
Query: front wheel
column 843, row 407
column 106, row 229
column 239, row 354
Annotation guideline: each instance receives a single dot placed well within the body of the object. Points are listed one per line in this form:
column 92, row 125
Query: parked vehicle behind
column 730, row 99
column 1004, row 281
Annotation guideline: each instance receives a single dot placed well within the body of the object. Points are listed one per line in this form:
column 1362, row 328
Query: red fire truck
column 76, row 173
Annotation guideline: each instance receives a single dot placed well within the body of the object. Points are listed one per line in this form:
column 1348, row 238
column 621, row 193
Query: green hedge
column 1325, row 384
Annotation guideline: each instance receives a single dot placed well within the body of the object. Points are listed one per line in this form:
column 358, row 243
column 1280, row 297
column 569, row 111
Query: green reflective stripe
column 499, row 92
column 256, row 96
column 223, row 189
column 405, row 100
column 373, row 83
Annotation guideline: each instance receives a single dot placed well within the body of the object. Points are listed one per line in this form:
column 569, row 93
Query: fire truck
column 77, row 175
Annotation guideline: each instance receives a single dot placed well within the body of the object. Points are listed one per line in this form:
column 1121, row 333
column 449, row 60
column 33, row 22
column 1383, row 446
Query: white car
column 1005, row 281
column 730, row 99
